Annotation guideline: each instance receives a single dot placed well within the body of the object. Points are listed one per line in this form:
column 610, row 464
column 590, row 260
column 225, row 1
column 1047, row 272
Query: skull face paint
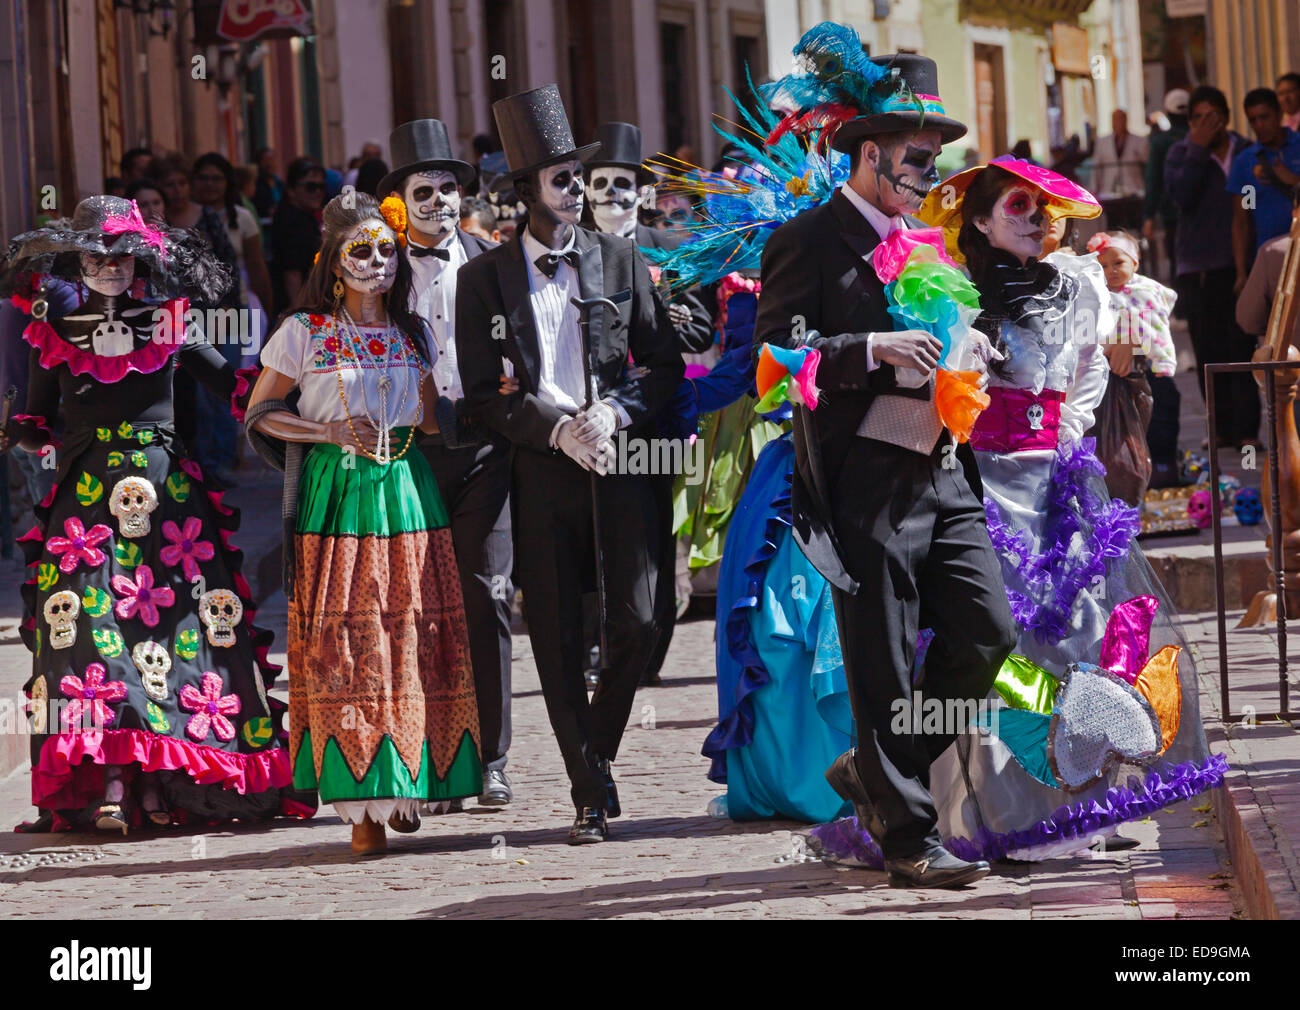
column 1018, row 223
column 905, row 171
column 615, row 199
column 560, row 189
column 368, row 257
column 107, row 275
column 432, row 204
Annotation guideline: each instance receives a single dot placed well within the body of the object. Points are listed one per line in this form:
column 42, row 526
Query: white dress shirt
column 434, row 283
column 882, row 224
column 559, row 339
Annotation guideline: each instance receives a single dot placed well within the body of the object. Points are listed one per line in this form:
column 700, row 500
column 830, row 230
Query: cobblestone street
column 666, row 857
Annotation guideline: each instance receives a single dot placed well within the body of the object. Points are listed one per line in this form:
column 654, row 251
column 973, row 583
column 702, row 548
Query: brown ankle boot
column 369, row 839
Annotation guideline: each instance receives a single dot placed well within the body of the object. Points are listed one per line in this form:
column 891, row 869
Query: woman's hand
column 354, row 435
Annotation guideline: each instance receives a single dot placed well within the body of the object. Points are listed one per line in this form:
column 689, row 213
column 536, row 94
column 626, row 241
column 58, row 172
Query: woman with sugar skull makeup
column 141, row 714
column 382, row 712
column 1096, row 686
column 470, row 464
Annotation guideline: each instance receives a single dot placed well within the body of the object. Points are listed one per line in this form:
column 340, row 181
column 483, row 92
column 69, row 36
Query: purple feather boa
column 844, row 841
column 1054, row 577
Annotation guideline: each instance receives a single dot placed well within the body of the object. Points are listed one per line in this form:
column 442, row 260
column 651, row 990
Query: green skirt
column 381, row 692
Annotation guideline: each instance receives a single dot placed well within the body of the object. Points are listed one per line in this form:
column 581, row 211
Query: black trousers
column 1162, row 432
column 555, row 563
column 1212, row 325
column 475, row 486
column 666, row 588
column 914, row 535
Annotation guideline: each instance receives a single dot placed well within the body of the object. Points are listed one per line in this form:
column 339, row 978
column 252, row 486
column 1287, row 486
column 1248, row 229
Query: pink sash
column 1018, row 420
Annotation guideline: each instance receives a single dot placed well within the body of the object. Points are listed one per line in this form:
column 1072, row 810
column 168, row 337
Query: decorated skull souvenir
column 220, row 610
column 132, row 500
column 1034, row 415
column 1199, row 507
column 153, row 662
column 61, row 610
column 1247, row 507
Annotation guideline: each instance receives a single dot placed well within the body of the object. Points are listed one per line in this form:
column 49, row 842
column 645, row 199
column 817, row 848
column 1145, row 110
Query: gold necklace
column 347, row 408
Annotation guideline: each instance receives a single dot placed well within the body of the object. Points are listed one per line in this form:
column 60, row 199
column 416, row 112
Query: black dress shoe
column 612, row 807
column 1115, row 843
column 588, row 827
column 496, row 789
column 935, row 867
column 844, row 779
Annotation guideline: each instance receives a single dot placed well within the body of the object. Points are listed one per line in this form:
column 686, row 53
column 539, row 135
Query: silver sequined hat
column 535, row 131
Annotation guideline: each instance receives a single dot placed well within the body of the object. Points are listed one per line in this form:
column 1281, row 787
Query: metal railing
column 1270, row 369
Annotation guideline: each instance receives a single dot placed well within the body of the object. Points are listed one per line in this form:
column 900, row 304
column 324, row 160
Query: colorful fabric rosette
column 785, row 374
column 927, row 291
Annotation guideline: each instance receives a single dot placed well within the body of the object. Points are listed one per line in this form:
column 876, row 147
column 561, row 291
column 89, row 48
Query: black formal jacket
column 492, row 299
column 818, row 281
column 697, row 335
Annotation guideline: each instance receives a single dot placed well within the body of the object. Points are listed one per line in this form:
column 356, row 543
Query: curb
column 1267, row 887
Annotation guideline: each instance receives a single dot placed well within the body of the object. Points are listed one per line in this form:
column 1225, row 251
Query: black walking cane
column 584, row 307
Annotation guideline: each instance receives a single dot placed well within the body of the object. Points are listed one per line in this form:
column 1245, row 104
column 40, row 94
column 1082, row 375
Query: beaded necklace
column 383, row 447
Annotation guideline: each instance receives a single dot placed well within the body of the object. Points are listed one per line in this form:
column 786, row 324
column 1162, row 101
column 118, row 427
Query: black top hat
column 418, row 146
column 620, row 144
column 894, row 112
column 535, row 130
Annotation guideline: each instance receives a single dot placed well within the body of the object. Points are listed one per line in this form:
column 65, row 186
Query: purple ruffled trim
column 843, row 840
column 737, row 728
column 1054, row 577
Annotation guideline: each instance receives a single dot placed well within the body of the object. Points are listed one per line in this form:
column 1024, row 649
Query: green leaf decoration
column 108, row 642
column 144, row 437
column 139, row 459
column 257, row 731
column 124, row 430
column 157, row 718
column 103, row 434
column 38, row 642
column 178, row 486
column 96, row 602
column 46, row 576
column 89, row 489
column 187, row 644
column 114, row 458
column 128, row 554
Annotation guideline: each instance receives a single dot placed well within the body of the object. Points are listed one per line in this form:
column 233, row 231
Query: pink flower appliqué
column 90, row 697
column 141, row 598
column 185, row 547
column 79, row 544
column 210, row 709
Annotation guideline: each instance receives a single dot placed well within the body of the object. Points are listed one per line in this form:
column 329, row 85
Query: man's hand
column 596, row 424
column 1202, row 131
column 509, row 384
column 588, row 455
column 680, row 315
column 907, row 349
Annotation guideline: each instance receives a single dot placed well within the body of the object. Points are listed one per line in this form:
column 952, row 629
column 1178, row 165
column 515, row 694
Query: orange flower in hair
column 394, row 210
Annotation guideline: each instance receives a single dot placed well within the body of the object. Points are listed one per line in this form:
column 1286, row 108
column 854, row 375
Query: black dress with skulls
column 138, row 616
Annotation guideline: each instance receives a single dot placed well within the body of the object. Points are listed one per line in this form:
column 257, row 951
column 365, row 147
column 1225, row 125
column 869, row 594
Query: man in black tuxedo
column 471, row 465
column 884, row 505
column 516, row 300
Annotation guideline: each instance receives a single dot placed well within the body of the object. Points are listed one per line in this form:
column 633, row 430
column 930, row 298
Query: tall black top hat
column 535, row 131
column 419, row 146
column 894, row 113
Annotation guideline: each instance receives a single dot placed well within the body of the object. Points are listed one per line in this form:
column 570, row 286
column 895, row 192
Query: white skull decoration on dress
column 1034, row 414
column 153, row 662
column 368, row 257
column 40, row 705
column 61, row 611
column 132, row 500
column 220, row 610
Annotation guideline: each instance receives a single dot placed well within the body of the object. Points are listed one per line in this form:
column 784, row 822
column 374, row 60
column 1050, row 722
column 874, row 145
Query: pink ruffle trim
column 54, row 779
column 54, row 350
column 244, row 379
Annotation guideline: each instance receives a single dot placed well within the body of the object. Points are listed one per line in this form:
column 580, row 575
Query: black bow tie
column 428, row 250
column 549, row 262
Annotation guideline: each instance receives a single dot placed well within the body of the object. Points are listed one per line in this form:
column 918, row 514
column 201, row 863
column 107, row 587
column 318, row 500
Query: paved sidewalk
column 666, row 858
